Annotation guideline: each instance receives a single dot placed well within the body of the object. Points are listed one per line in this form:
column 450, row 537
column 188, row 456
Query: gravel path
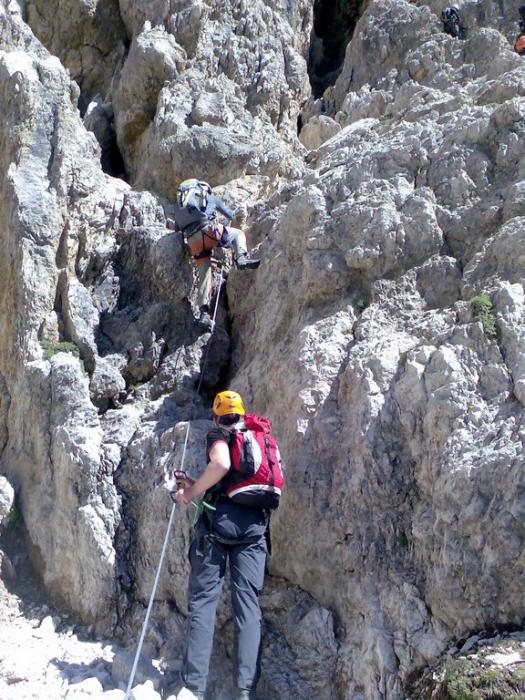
column 42, row 656
column 45, row 655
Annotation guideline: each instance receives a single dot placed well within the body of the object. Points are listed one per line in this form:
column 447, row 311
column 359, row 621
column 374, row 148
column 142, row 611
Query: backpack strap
column 269, row 457
column 267, row 534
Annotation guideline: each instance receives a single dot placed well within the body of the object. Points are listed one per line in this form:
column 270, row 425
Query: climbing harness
column 204, row 240
column 170, row 521
column 200, row 508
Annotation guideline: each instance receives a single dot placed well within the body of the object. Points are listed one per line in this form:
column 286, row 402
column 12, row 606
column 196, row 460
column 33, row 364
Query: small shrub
column 457, row 681
column 467, row 679
column 483, row 311
column 402, row 539
column 14, row 515
column 52, row 347
column 362, row 302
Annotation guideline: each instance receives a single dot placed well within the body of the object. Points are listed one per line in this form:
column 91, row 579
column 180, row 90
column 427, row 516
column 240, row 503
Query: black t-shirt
column 231, row 521
column 213, row 436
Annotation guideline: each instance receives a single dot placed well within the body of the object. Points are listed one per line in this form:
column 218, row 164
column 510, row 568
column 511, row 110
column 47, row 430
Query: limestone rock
column 397, row 404
column 99, row 118
column 317, row 131
column 7, row 499
column 107, row 383
column 86, row 688
column 88, row 36
column 144, row 691
column 510, row 305
column 57, row 471
column 123, row 663
column 221, row 115
column 310, row 634
column 46, row 628
column 154, row 58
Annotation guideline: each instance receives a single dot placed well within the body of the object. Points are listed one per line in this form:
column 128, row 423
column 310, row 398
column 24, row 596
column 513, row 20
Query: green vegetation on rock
column 362, row 302
column 468, row 680
column 473, row 677
column 402, row 539
column 483, row 311
column 14, row 515
column 52, row 347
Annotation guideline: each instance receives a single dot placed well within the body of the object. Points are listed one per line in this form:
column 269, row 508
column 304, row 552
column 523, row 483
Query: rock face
column 7, row 499
column 87, row 35
column 383, row 333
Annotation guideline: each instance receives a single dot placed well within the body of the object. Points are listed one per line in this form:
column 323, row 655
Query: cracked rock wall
column 398, row 405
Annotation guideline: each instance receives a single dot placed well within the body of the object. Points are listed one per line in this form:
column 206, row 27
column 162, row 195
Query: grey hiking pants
column 208, row 559
column 236, row 240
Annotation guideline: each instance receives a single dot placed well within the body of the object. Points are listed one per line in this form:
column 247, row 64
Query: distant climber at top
column 195, row 216
column 519, row 44
column 453, row 23
column 522, row 18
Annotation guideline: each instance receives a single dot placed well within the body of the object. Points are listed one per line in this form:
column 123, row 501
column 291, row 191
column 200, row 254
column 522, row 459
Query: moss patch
column 14, row 515
column 51, row 347
column 402, row 539
column 468, row 680
column 362, row 302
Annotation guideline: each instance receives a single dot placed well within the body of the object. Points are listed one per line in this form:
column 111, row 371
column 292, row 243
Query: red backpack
column 519, row 46
column 255, row 477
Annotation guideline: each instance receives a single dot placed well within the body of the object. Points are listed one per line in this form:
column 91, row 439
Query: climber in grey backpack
column 453, row 22
column 195, row 214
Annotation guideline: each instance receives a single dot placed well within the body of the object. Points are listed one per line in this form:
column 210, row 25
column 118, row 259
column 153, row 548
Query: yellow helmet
column 228, row 402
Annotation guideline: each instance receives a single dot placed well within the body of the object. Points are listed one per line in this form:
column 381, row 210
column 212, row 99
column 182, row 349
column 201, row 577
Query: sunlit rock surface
column 383, row 332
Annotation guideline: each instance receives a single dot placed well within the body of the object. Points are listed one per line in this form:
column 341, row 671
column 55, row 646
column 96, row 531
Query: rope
column 170, row 521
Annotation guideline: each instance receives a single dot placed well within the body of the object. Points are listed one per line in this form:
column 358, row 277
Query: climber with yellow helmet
column 241, row 484
column 194, row 215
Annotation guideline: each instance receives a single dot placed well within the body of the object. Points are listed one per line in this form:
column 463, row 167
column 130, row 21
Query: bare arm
column 216, row 470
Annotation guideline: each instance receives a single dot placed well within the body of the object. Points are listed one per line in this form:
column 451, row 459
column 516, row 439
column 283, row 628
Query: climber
column 519, row 44
column 522, row 18
column 232, row 526
column 194, row 216
column 453, row 23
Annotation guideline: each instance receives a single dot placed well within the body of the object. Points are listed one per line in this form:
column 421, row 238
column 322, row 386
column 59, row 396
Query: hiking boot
column 187, row 694
column 243, row 262
column 205, row 321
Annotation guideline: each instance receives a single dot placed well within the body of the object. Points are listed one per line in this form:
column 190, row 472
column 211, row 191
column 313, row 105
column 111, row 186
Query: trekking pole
column 170, row 521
